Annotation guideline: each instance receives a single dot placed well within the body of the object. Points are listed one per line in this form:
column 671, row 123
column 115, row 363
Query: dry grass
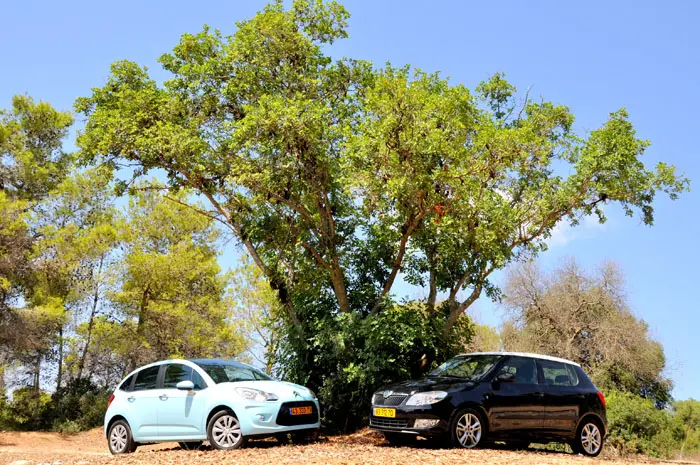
column 360, row 448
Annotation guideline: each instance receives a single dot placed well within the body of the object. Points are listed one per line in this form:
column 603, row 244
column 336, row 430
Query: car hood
column 285, row 391
column 429, row 384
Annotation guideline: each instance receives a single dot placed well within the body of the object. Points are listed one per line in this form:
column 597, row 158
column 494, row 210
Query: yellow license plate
column 385, row 412
column 301, row 411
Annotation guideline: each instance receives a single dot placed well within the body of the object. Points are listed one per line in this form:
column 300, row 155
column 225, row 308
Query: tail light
column 109, row 402
column 602, row 399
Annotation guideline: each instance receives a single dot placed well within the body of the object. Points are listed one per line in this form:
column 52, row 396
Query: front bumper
column 273, row 418
column 405, row 421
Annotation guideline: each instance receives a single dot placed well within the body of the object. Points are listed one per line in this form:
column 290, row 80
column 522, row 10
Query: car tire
column 224, row 431
column 467, row 429
column 190, row 445
column 589, row 438
column 399, row 439
column 120, row 439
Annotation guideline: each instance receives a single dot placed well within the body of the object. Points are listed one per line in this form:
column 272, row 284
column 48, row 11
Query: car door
column 562, row 398
column 515, row 407
column 180, row 413
column 143, row 404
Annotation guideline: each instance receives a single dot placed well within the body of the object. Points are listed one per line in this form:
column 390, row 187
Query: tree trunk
column 36, row 372
column 338, row 281
column 91, row 321
column 2, row 379
column 432, row 280
column 60, row 358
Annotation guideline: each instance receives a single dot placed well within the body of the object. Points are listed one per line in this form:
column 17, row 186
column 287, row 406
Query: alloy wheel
column 591, row 439
column 469, row 430
column 227, row 431
column 118, row 439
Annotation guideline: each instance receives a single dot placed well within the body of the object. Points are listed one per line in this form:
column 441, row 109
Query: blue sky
column 593, row 56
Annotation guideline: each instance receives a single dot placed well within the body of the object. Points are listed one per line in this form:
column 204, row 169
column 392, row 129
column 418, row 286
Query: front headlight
column 426, row 398
column 255, row 395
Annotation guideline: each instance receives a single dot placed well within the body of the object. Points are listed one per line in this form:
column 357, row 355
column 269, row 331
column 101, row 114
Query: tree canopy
column 338, row 177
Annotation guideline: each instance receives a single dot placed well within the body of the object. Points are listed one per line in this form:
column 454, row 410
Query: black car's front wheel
column 589, row 438
column 467, row 429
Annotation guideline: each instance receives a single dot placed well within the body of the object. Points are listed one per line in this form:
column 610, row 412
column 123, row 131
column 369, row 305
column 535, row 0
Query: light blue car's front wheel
column 224, row 431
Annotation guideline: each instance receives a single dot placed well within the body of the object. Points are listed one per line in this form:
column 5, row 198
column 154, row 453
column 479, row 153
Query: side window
column 174, row 373
column 573, row 376
column 146, row 379
column 555, row 373
column 126, row 385
column 198, row 381
column 523, row 368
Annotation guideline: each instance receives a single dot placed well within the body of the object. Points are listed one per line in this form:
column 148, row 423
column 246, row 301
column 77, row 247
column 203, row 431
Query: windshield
column 222, row 371
column 472, row 367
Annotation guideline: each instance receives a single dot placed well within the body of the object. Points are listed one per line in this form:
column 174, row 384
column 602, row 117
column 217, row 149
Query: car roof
column 527, row 354
column 220, row 361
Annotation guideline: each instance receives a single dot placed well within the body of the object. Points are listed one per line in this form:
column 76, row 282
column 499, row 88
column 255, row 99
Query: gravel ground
column 363, row 447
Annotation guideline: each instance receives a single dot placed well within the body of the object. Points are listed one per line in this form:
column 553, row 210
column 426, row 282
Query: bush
column 350, row 356
column 28, row 409
column 78, row 406
column 636, row 426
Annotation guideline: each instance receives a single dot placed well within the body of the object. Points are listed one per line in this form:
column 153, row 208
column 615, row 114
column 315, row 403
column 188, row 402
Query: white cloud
column 563, row 233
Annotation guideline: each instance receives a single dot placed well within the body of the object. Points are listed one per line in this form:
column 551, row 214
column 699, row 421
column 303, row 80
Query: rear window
column 146, row 379
column 555, row 373
column 126, row 385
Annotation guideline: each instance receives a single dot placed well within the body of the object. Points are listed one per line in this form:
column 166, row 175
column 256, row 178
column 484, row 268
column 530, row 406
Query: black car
column 511, row 397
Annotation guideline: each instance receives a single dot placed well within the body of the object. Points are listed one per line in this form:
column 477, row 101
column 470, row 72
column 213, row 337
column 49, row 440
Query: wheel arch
column 114, row 419
column 595, row 416
column 217, row 409
column 476, row 407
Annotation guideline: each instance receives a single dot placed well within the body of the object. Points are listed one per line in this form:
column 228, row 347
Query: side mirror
column 185, row 385
column 505, row 378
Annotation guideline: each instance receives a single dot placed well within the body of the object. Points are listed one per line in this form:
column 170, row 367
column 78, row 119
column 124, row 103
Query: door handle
column 539, row 394
column 131, row 399
column 163, row 397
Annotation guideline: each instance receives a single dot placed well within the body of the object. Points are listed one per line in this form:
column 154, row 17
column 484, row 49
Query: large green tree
column 32, row 165
column 337, row 177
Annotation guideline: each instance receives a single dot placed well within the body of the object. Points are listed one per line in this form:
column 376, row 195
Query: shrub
column 79, row 405
column 28, row 409
column 635, row 425
column 349, row 356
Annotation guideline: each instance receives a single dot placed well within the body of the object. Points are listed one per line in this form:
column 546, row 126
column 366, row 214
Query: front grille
column 284, row 418
column 393, row 400
column 388, row 422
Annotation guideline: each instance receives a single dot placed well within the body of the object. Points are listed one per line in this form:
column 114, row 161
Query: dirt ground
column 363, row 447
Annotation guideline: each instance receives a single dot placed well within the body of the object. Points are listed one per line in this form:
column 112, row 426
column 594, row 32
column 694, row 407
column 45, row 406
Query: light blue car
column 190, row 401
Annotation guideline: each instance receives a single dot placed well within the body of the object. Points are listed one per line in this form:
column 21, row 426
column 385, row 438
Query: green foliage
column 337, row 177
column 78, row 406
column 637, row 426
column 353, row 356
column 28, row 410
